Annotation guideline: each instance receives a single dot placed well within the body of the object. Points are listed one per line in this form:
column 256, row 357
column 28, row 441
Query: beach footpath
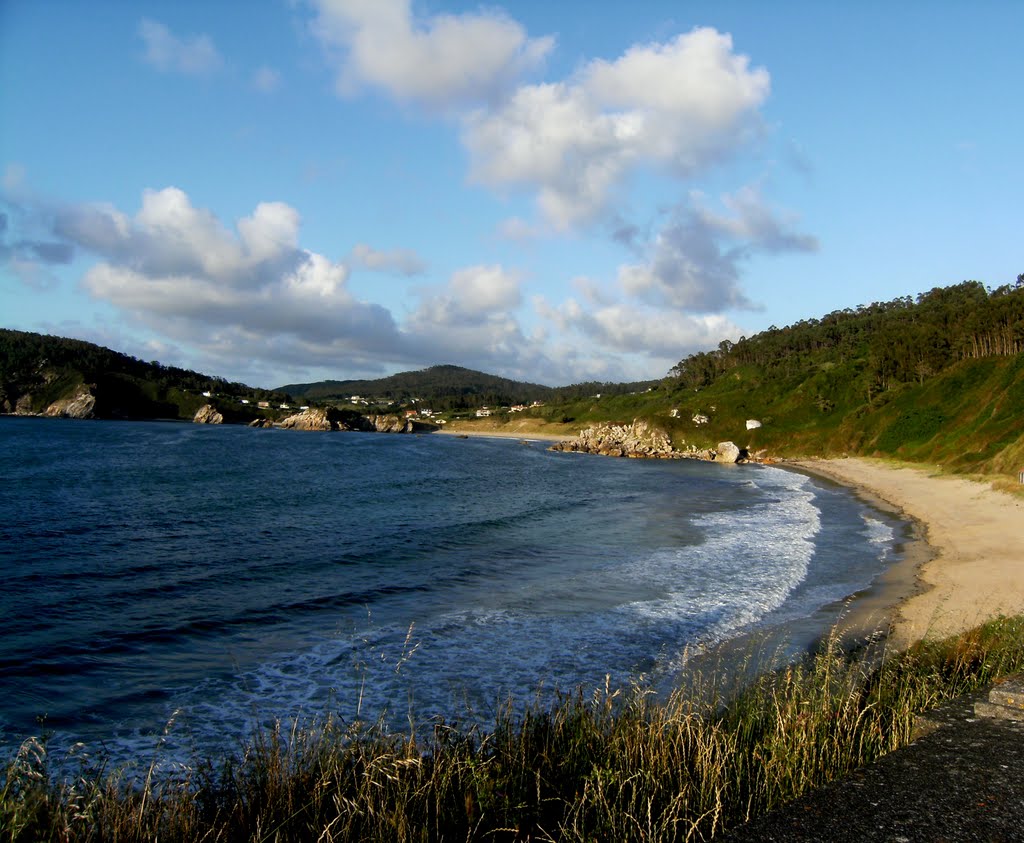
column 962, row 778
column 960, row 781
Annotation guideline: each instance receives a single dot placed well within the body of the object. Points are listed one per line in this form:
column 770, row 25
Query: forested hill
column 442, row 387
column 888, row 343
column 938, row 378
column 449, row 387
column 36, row 370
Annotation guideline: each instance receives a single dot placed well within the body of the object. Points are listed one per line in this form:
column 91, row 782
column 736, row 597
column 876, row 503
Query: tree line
column 900, row 341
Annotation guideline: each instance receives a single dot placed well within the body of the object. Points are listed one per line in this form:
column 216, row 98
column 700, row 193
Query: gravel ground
column 961, row 781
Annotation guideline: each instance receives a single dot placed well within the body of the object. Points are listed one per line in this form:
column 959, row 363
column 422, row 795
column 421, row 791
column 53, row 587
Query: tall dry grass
column 615, row 764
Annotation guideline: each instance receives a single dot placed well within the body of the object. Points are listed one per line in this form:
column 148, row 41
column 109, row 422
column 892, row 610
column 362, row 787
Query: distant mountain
column 453, row 388
column 439, row 387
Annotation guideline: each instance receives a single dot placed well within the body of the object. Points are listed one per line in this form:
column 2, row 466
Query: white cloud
column 251, row 294
column 682, row 105
column 518, row 230
column 475, row 297
column 403, row 261
column 694, row 262
column 179, row 269
column 194, row 56
column 441, row 61
column 266, row 80
column 28, row 248
column 638, row 329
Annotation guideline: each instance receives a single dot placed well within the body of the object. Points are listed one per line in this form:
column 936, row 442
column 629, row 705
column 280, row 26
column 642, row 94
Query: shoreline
column 964, row 564
column 526, row 435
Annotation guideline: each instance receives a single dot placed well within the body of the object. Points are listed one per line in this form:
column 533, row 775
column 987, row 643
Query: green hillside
column 450, row 388
column 36, row 370
column 442, row 387
column 939, row 378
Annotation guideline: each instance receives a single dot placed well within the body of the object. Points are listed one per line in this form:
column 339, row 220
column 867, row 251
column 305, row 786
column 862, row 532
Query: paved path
column 963, row 781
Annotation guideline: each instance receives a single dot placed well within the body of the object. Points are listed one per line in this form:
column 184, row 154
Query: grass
column 609, row 765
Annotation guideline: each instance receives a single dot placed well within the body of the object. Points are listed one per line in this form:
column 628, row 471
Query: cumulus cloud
column 266, row 80
column 479, row 298
column 169, row 237
column 682, row 105
column 194, row 55
column 440, row 61
column 250, row 300
column 694, row 262
column 402, row 261
column 177, row 268
column 27, row 249
column 518, row 230
column 636, row 328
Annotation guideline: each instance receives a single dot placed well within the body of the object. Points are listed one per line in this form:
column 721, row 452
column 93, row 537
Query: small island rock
column 207, row 414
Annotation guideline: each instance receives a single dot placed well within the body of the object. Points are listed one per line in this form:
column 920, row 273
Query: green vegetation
column 439, row 388
column 448, row 388
column 612, row 765
column 36, row 370
column 938, row 379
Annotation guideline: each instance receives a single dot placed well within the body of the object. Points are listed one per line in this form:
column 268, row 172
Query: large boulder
column 729, row 452
column 80, row 406
column 207, row 414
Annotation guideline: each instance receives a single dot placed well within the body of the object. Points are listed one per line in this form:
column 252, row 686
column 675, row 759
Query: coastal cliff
column 80, row 405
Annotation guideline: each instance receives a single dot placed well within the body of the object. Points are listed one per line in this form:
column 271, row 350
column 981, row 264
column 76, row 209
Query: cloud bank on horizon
column 555, row 155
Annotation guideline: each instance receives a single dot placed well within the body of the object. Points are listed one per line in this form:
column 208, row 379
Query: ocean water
column 187, row 581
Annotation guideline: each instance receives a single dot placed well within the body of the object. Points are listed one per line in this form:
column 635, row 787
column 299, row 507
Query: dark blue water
column 220, row 576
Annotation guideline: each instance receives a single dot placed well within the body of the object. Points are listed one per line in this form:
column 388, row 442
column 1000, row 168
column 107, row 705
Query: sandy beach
column 972, row 568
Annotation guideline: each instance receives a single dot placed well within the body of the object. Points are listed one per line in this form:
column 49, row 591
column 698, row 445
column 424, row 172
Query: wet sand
column 969, row 565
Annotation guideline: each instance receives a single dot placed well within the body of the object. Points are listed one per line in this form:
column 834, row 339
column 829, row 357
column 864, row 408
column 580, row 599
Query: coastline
column 965, row 565
column 527, row 434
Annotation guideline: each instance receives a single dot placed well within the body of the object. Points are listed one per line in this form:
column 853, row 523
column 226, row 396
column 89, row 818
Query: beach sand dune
column 976, row 569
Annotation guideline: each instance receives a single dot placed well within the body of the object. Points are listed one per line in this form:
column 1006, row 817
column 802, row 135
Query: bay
column 213, row 578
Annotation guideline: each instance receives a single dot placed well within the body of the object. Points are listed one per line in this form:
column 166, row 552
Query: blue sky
column 290, row 190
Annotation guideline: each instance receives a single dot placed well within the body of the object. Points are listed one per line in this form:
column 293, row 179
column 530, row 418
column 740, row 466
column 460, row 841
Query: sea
column 171, row 587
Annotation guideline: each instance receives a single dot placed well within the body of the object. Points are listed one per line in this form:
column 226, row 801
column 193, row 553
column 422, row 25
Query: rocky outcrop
column 390, row 424
column 261, row 423
column 637, row 440
column 207, row 414
column 81, row 405
column 23, row 406
column 641, row 440
column 312, row 419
